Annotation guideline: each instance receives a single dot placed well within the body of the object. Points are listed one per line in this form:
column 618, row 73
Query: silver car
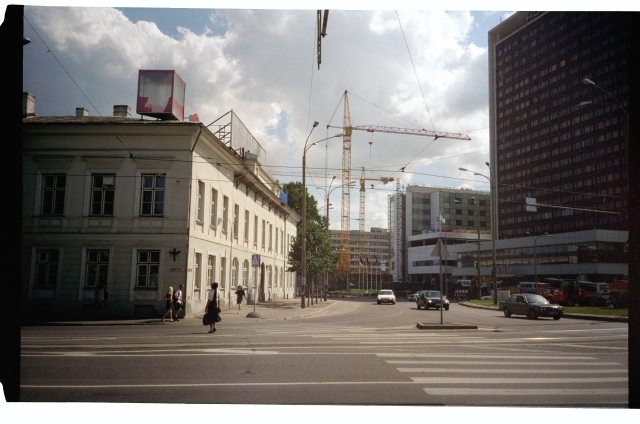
column 386, row 296
column 414, row 297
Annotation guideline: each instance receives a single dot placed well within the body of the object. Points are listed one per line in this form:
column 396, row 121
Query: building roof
column 101, row 120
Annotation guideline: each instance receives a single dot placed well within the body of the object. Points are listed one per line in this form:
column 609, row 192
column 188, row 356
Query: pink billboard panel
column 161, row 94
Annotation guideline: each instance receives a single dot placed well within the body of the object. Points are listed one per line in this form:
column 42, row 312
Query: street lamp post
column 304, row 206
column 535, row 254
column 493, row 210
column 304, row 215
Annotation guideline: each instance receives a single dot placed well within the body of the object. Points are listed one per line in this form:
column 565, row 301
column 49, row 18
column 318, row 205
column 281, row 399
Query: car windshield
column 433, row 294
column 386, row 292
column 536, row 299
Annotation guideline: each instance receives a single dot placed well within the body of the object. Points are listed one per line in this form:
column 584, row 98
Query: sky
column 402, row 68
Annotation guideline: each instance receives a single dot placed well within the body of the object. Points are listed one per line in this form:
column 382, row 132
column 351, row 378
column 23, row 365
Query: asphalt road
column 352, row 353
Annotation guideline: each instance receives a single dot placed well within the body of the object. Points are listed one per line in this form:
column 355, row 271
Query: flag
column 361, row 261
column 367, row 261
column 441, row 219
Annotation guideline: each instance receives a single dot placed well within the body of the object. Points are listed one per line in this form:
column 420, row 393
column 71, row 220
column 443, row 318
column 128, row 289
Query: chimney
column 122, row 110
column 28, row 105
column 80, row 111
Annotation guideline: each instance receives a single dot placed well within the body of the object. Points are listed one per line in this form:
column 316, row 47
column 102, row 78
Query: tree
column 321, row 258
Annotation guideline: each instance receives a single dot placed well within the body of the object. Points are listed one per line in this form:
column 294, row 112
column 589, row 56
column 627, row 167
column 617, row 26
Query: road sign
column 255, row 260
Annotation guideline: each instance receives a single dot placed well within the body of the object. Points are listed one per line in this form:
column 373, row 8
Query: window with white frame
column 200, row 212
column 47, row 268
column 102, row 194
column 211, row 274
column 225, row 214
column 236, row 220
column 275, row 277
column 53, row 189
column 197, row 272
column 270, row 237
column 255, row 231
column 148, row 268
column 97, row 267
column 214, row 208
column 246, row 226
column 264, row 232
column 235, row 268
column 152, row 199
column 276, row 243
column 223, row 272
column 245, row 273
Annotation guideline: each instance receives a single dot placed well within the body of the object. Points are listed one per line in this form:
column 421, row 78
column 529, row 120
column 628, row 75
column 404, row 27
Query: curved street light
column 304, row 205
column 494, row 232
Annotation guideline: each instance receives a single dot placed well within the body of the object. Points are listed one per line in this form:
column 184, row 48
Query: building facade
column 558, row 98
column 374, row 261
column 556, row 138
column 141, row 206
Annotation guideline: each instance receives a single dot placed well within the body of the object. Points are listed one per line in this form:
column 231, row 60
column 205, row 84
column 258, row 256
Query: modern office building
column 558, row 92
column 430, row 213
column 546, row 145
column 374, row 262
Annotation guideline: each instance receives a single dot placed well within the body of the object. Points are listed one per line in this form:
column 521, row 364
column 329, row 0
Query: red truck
column 569, row 293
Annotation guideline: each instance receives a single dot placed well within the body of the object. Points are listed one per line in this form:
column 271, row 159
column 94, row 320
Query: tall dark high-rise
column 556, row 137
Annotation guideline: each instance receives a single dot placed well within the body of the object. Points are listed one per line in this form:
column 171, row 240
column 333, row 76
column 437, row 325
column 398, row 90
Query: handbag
column 206, row 320
column 218, row 318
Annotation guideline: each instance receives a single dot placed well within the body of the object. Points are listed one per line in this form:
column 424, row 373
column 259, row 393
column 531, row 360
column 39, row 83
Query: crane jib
column 409, row 131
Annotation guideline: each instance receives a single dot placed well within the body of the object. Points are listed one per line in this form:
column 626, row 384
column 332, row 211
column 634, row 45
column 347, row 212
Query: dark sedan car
column 431, row 299
column 531, row 305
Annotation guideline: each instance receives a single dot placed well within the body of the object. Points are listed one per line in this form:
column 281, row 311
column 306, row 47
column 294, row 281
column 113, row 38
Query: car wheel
column 592, row 301
column 418, row 306
column 556, row 317
column 532, row 314
column 507, row 312
column 393, row 303
column 446, row 308
column 379, row 303
column 571, row 301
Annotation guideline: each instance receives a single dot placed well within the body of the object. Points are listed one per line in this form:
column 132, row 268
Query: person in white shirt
column 177, row 302
column 213, row 304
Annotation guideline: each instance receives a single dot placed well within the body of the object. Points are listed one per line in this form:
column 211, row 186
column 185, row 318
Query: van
column 597, row 290
column 465, row 283
column 528, row 287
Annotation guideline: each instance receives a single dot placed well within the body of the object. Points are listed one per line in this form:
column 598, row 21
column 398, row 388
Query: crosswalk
column 515, row 370
column 566, row 379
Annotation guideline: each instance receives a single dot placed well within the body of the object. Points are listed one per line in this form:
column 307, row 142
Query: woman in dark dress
column 211, row 310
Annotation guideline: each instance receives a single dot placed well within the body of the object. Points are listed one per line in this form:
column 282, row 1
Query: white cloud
column 263, row 68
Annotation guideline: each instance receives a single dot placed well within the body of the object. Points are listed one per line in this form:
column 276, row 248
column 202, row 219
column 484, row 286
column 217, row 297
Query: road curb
column 422, row 326
column 564, row 315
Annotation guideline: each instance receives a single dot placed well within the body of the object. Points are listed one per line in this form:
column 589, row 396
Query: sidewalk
column 274, row 310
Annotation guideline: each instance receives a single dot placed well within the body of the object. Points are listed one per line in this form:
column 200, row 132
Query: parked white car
column 386, row 296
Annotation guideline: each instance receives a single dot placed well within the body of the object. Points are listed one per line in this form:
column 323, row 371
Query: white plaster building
column 143, row 205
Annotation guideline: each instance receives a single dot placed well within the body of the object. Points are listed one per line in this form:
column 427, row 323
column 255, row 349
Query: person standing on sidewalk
column 177, row 302
column 98, row 295
column 213, row 307
column 240, row 295
column 168, row 305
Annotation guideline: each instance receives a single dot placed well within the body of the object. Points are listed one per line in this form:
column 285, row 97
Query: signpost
column 440, row 251
column 255, row 263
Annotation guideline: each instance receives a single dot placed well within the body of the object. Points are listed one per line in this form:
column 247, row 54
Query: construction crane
column 347, row 130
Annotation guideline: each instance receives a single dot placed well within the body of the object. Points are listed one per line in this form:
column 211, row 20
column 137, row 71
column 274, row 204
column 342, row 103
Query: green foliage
column 321, row 258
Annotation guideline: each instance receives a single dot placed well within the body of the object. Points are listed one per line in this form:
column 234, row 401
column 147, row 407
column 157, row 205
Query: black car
column 431, row 299
column 531, row 305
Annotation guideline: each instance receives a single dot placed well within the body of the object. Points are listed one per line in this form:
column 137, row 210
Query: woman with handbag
column 240, row 295
column 212, row 310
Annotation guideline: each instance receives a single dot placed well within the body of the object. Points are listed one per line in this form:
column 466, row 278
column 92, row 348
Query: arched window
column 245, row 274
column 276, row 278
column 234, row 273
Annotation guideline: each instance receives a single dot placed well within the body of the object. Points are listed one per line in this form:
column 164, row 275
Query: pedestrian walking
column 98, row 295
column 240, row 295
column 212, row 310
column 177, row 302
column 168, row 305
